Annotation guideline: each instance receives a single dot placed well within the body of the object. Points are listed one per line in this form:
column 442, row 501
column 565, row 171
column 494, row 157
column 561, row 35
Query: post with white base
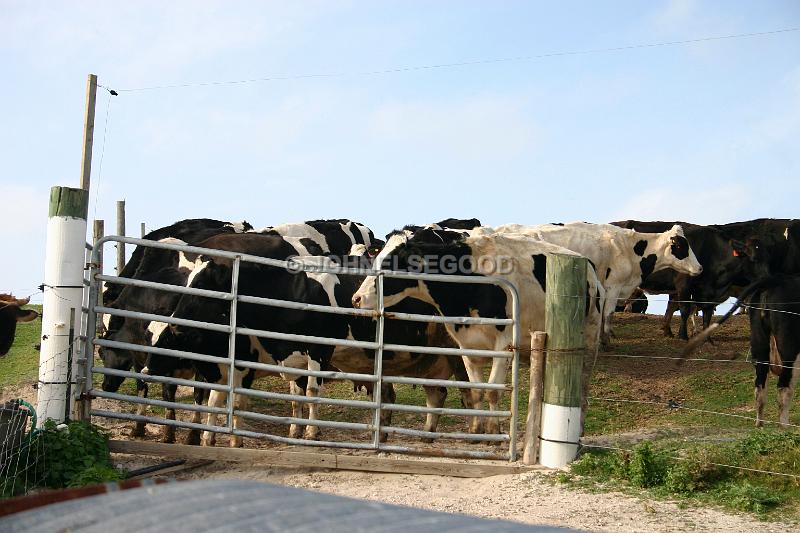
column 63, row 295
column 565, row 308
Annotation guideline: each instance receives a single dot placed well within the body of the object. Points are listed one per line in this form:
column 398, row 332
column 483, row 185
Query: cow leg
column 312, row 391
column 297, row 410
column 434, row 397
column 168, row 393
column 200, row 398
column 672, row 306
column 783, row 351
column 609, row 306
column 137, row 431
column 686, row 311
column 240, row 402
column 387, row 396
column 474, row 368
column 497, row 376
column 215, row 399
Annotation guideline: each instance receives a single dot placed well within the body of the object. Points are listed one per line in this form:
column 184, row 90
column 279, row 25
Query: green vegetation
column 54, row 458
column 21, row 364
column 698, row 472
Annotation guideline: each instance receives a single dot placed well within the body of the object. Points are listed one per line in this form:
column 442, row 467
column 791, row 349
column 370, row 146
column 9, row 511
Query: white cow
column 623, row 258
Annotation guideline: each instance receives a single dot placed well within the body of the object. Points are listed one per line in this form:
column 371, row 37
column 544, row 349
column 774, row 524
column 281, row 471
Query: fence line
column 679, row 458
column 675, row 405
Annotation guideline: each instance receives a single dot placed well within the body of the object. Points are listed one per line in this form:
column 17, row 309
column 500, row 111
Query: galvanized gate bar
column 461, row 320
column 445, row 383
column 305, row 399
column 232, row 340
column 326, row 374
column 160, row 403
column 306, row 338
column 180, row 289
column 157, row 379
column 162, row 351
column 476, row 437
column 401, row 407
column 448, row 351
column 304, row 421
column 378, row 364
column 221, row 328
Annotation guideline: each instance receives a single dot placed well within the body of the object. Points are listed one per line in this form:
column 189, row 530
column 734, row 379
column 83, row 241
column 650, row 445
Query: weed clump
column 705, row 472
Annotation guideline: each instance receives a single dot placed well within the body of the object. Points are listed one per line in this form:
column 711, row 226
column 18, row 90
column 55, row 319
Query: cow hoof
column 193, row 438
column 168, row 438
column 137, row 431
column 236, row 443
column 384, row 437
column 311, row 433
column 668, row 333
column 295, row 432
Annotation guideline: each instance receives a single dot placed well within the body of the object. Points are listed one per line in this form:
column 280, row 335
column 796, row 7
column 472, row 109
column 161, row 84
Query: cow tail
column 749, row 291
column 775, row 360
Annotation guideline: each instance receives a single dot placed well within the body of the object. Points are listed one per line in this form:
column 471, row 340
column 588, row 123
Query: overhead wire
column 459, row 64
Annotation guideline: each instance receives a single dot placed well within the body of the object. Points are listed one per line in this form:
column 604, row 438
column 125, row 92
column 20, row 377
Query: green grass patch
column 698, row 472
column 21, row 364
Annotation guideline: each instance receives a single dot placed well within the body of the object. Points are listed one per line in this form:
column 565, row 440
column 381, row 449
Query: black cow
column 773, row 248
column 773, row 303
column 11, row 312
column 724, row 267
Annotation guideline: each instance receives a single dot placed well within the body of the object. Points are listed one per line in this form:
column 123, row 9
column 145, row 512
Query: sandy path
column 527, row 498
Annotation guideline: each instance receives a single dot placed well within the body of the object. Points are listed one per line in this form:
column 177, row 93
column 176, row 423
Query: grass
column 21, row 363
column 695, row 472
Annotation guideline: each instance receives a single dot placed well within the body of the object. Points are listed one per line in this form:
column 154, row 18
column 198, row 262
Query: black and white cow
column 515, row 258
column 773, row 303
column 310, row 288
column 324, row 237
column 11, row 312
column 175, row 268
column 725, row 268
column 623, row 258
column 162, row 266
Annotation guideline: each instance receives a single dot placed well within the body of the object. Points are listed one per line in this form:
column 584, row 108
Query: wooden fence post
column 63, row 295
column 98, row 232
column 120, row 232
column 88, row 131
column 534, row 420
column 565, row 307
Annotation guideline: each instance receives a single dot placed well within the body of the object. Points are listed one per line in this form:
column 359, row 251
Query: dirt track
column 530, row 498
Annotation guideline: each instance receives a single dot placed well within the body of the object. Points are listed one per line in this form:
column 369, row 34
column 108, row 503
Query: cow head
column 674, row 252
column 423, row 250
column 11, row 312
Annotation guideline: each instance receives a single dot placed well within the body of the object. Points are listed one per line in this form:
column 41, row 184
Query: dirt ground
column 528, row 498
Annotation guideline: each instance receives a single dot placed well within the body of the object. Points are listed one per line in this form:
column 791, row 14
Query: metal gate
column 376, row 405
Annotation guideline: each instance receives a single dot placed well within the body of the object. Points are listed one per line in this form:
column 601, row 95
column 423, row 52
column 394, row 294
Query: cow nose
column 356, row 301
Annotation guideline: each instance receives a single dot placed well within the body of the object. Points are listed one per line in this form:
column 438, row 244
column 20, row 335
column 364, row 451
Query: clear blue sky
column 706, row 132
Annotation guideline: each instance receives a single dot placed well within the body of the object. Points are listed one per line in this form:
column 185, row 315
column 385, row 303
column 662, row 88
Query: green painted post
column 565, row 322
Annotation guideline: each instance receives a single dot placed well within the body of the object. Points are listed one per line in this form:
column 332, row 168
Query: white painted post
column 63, row 295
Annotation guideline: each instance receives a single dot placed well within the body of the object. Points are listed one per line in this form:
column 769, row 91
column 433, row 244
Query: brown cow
column 11, row 312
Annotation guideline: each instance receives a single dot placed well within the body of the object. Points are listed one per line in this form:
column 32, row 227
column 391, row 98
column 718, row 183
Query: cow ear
column 738, row 247
column 26, row 315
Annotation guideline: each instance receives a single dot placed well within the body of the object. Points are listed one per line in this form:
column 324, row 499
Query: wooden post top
column 68, row 202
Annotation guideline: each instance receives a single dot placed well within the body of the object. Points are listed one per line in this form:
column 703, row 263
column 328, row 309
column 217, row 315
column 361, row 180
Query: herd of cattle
column 697, row 266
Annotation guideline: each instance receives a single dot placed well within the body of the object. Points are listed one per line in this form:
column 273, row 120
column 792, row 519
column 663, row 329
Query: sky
column 348, row 126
